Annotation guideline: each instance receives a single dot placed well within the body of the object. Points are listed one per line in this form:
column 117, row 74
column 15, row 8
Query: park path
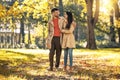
column 87, row 66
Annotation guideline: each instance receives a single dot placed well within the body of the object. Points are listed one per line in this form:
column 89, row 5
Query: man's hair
column 54, row 9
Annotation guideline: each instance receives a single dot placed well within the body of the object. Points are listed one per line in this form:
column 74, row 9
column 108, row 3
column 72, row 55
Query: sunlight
column 119, row 3
column 105, row 2
column 105, row 6
column 103, row 10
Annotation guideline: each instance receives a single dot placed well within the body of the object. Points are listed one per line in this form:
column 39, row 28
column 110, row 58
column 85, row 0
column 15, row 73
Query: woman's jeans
column 68, row 51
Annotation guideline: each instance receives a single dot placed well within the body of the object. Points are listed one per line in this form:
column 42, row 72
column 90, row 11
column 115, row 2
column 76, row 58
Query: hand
column 62, row 31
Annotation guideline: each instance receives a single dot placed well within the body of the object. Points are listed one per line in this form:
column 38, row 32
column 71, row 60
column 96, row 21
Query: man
column 54, row 37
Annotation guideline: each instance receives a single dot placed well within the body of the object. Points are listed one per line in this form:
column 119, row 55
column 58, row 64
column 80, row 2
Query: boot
column 70, row 69
column 65, row 68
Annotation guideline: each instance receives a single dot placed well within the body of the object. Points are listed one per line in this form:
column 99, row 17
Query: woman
column 68, row 39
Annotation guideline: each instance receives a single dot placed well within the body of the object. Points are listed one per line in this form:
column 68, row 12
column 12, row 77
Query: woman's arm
column 68, row 31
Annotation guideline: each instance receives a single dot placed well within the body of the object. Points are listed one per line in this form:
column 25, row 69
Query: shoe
column 64, row 69
column 50, row 69
column 57, row 69
column 70, row 70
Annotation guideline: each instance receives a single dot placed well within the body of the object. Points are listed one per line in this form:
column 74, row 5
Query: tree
column 112, row 28
column 32, row 10
column 117, row 15
column 78, row 10
column 22, row 33
column 53, row 3
column 91, row 22
column 61, row 7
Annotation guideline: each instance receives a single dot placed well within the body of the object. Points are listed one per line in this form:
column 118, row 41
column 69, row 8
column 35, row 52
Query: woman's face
column 65, row 15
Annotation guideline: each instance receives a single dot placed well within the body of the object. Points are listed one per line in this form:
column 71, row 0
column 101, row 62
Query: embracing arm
column 68, row 31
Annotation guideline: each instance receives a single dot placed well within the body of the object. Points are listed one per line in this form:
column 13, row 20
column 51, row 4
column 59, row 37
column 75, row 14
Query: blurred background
column 23, row 23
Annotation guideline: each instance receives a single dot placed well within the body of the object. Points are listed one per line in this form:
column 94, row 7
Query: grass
column 101, row 64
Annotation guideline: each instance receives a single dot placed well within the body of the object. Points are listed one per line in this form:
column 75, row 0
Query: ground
column 25, row 64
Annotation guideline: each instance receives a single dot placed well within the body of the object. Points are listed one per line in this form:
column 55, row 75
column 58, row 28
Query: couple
column 60, row 35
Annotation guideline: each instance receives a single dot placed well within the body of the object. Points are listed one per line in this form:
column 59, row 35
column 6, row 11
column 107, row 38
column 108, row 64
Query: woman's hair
column 69, row 19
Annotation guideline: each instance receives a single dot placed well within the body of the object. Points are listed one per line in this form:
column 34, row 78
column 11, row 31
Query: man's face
column 56, row 13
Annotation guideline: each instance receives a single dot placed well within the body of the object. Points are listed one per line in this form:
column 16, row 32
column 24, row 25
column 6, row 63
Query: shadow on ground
column 85, row 67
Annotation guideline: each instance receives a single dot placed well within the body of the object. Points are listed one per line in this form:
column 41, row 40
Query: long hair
column 69, row 19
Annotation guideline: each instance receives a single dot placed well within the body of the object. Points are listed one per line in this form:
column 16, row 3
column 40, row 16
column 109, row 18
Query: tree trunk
column 12, row 40
column 91, row 21
column 112, row 29
column 117, row 11
column 5, row 36
column 78, row 32
column 22, row 34
column 61, row 7
column 117, row 15
column 112, row 34
column 29, row 35
column 119, row 35
column 43, row 36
